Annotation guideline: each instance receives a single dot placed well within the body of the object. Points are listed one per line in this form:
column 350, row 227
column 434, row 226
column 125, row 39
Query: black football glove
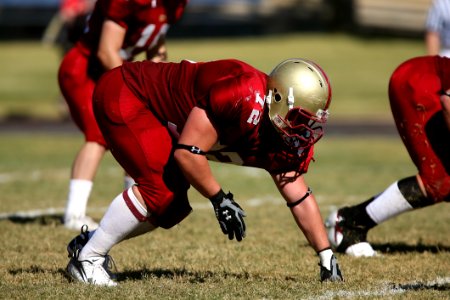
column 229, row 214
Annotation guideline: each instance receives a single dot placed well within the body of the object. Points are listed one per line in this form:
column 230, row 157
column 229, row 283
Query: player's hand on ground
column 333, row 274
column 230, row 215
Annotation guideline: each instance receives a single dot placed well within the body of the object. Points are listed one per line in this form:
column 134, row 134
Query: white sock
column 388, row 204
column 325, row 258
column 118, row 224
column 128, row 182
column 79, row 192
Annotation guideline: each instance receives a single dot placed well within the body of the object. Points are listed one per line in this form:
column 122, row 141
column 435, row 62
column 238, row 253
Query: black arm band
column 218, row 197
column 192, row 149
column 308, row 192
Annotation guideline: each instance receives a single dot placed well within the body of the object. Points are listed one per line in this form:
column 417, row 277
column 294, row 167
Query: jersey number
column 146, row 34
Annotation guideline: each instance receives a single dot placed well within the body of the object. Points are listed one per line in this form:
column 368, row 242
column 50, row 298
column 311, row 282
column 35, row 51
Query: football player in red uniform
column 117, row 31
column 419, row 97
column 164, row 121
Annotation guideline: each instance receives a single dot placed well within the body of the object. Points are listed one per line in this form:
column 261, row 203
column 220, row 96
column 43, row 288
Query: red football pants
column 77, row 88
column 414, row 92
column 143, row 147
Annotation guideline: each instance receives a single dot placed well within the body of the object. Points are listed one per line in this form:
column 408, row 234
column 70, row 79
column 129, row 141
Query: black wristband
column 218, row 197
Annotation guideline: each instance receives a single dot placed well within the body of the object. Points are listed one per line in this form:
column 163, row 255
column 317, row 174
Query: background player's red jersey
column 145, row 22
column 232, row 93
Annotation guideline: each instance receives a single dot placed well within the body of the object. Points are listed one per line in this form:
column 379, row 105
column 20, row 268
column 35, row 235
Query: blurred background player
column 65, row 29
column 117, row 31
column 437, row 36
column 68, row 24
column 419, row 97
column 165, row 121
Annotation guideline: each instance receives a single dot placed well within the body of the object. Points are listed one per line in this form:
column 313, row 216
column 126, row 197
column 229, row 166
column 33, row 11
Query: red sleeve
column 118, row 11
column 233, row 104
column 223, row 98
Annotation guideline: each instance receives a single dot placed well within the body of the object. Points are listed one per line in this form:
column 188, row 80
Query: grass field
column 195, row 260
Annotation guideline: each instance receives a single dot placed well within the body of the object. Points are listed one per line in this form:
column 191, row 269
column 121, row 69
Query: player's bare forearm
column 110, row 43
column 198, row 136
column 197, row 171
column 304, row 209
column 309, row 220
column 198, row 132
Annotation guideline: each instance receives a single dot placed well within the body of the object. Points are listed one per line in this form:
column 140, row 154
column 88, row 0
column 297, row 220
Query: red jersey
column 232, row 93
column 145, row 21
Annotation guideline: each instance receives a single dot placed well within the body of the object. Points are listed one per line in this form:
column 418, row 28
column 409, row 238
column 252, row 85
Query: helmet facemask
column 298, row 98
column 299, row 130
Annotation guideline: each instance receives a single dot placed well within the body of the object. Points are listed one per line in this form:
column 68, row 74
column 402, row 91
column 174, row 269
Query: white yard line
column 388, row 289
column 51, row 211
column 200, row 205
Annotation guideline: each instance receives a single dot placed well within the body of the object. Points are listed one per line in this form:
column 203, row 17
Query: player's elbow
column 102, row 55
column 182, row 157
column 107, row 58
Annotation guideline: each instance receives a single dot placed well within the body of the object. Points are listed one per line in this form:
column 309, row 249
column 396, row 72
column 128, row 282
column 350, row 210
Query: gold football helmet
column 298, row 97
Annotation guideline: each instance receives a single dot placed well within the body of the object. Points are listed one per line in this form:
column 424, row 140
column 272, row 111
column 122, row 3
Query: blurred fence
column 29, row 18
column 400, row 15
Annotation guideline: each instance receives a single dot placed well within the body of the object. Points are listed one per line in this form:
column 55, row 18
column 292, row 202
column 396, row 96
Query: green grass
column 195, row 260
column 359, row 68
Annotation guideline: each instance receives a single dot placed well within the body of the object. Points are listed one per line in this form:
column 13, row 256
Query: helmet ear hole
column 277, row 97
